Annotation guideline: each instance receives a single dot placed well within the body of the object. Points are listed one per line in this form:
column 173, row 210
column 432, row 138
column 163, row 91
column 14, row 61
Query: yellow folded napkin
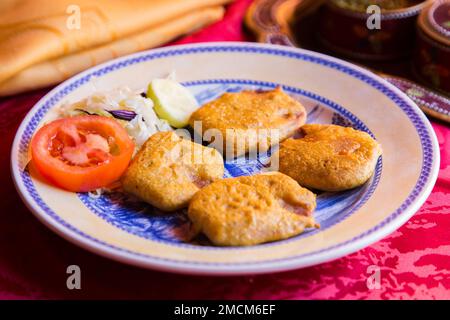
column 34, row 31
column 56, row 70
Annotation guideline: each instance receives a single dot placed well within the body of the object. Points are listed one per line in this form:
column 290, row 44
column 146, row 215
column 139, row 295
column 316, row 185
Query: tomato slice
column 82, row 153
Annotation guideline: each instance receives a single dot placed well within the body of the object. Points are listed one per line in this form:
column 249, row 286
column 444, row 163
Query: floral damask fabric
column 411, row 263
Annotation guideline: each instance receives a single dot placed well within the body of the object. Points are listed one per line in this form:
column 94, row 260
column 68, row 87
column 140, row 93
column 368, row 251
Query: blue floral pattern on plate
column 141, row 219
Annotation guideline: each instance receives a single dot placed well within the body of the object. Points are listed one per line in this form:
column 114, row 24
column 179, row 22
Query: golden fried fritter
column 252, row 209
column 329, row 157
column 168, row 170
column 247, row 112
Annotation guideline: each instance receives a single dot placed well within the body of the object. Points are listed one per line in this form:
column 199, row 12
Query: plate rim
column 143, row 260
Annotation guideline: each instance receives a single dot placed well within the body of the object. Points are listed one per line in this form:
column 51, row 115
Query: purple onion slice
column 123, row 114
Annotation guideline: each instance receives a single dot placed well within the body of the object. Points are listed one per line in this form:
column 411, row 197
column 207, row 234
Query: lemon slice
column 172, row 101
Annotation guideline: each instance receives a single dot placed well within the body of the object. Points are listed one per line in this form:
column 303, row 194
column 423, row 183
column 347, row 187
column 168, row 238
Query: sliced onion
column 127, row 115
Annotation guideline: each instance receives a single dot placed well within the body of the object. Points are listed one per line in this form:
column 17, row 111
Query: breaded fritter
column 168, row 170
column 329, row 157
column 254, row 110
column 249, row 210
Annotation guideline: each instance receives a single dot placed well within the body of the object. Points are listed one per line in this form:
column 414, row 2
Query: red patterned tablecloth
column 414, row 261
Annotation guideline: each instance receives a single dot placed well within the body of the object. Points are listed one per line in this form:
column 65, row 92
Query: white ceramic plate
column 332, row 90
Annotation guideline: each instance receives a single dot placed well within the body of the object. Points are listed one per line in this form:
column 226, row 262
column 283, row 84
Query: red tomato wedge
column 82, row 153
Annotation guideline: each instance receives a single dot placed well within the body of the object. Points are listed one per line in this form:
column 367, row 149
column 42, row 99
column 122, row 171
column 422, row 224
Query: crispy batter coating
column 246, row 110
column 168, row 170
column 250, row 210
column 329, row 157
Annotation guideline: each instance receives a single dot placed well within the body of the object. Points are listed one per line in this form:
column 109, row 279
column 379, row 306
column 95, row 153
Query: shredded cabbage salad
column 140, row 119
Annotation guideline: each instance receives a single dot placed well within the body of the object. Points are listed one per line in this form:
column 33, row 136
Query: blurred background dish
column 307, row 24
column 343, row 28
column 432, row 54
